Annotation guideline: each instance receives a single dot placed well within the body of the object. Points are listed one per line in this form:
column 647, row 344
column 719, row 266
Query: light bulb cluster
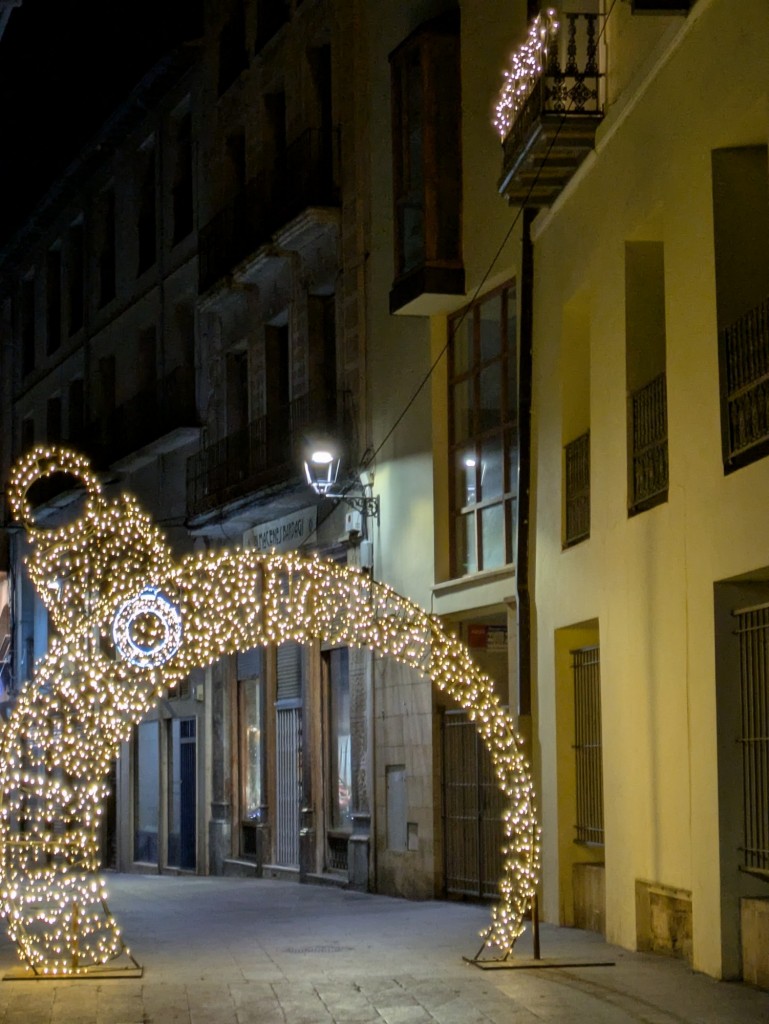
column 132, row 623
column 526, row 66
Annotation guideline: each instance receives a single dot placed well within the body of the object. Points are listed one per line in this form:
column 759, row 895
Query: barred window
column 753, row 636
column 588, row 745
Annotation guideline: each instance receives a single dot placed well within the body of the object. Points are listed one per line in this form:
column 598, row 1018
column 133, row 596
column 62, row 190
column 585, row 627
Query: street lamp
column 321, row 468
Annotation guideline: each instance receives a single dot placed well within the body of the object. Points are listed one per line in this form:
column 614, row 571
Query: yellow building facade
column 650, row 335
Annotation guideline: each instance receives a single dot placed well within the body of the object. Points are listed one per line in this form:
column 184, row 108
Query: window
column 147, row 793
column 53, row 300
column 147, row 224
column 483, row 432
column 575, row 419
column 741, row 229
column 588, row 745
column 28, row 325
column 271, row 15
column 646, row 378
column 232, row 47
column 76, row 402
column 577, row 490
column 427, row 178
column 107, row 252
column 76, row 277
column 753, row 634
column 339, row 740
column 27, row 433
column 182, row 199
column 53, row 420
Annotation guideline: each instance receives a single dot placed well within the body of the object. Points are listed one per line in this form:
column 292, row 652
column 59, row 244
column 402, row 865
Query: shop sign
column 285, row 534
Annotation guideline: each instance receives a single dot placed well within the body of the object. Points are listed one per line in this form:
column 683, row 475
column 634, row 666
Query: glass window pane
column 493, row 534
column 147, row 793
column 464, row 544
column 492, row 469
column 491, row 327
column 512, row 462
column 466, row 476
column 340, row 754
column 462, row 346
column 251, row 739
column 463, row 414
column 491, row 398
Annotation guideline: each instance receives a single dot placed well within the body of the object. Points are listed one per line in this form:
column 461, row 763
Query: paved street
column 237, row 951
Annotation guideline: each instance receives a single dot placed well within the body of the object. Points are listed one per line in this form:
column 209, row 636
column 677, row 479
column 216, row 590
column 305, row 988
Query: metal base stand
column 507, row 962
column 28, row 972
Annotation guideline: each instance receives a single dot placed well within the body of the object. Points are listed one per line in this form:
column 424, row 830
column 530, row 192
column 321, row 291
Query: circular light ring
column 148, row 602
column 43, row 461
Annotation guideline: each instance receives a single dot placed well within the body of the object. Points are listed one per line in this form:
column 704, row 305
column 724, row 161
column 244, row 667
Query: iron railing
column 165, row 405
column 744, row 347
column 577, row 497
column 263, row 453
column 588, row 745
column 568, row 82
column 753, row 636
column 649, row 440
column 306, row 175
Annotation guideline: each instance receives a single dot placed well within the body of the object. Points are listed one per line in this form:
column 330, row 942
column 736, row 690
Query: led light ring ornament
column 83, row 702
column 150, row 603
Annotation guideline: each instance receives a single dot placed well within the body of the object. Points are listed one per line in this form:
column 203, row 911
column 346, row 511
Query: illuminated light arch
column 112, row 572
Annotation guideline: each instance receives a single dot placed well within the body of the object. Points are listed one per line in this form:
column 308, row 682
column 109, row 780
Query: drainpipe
column 524, row 467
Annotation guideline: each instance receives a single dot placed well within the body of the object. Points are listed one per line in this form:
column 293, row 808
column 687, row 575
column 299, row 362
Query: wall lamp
column 321, row 467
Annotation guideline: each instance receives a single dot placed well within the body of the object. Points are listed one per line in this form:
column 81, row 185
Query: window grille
column 753, row 636
column 588, row 748
column 649, row 433
column 744, row 348
column 577, row 477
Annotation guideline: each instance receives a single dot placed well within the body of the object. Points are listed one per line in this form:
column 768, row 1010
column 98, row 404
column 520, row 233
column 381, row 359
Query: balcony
column 157, row 420
column 305, row 177
column 550, row 107
column 263, row 456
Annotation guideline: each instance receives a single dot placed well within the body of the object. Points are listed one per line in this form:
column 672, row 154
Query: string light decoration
column 526, row 67
column 132, row 623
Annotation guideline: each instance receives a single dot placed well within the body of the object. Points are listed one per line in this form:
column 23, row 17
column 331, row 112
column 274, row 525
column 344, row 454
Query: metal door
column 473, row 806
column 288, row 777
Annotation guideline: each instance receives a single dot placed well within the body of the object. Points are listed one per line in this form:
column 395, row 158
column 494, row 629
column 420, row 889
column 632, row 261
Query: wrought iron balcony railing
column 166, row 405
column 649, row 437
column 744, row 352
column 306, row 175
column 577, row 477
column 550, row 106
column 264, row 454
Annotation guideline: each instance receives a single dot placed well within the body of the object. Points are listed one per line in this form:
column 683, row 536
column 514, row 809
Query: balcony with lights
column 550, row 106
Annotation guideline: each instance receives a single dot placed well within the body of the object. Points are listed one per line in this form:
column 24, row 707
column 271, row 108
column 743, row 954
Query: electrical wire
column 490, row 268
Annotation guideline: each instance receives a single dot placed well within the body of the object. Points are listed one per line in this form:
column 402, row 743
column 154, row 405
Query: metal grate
column 588, row 749
column 577, row 509
column 753, row 634
column 745, row 380
column 337, row 852
column 473, row 809
column 649, row 432
column 288, row 743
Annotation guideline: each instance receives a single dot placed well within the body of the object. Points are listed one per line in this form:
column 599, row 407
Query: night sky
column 64, row 64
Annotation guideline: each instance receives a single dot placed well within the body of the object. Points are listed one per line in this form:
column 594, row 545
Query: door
column 473, row 806
column 288, row 747
column 182, row 825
